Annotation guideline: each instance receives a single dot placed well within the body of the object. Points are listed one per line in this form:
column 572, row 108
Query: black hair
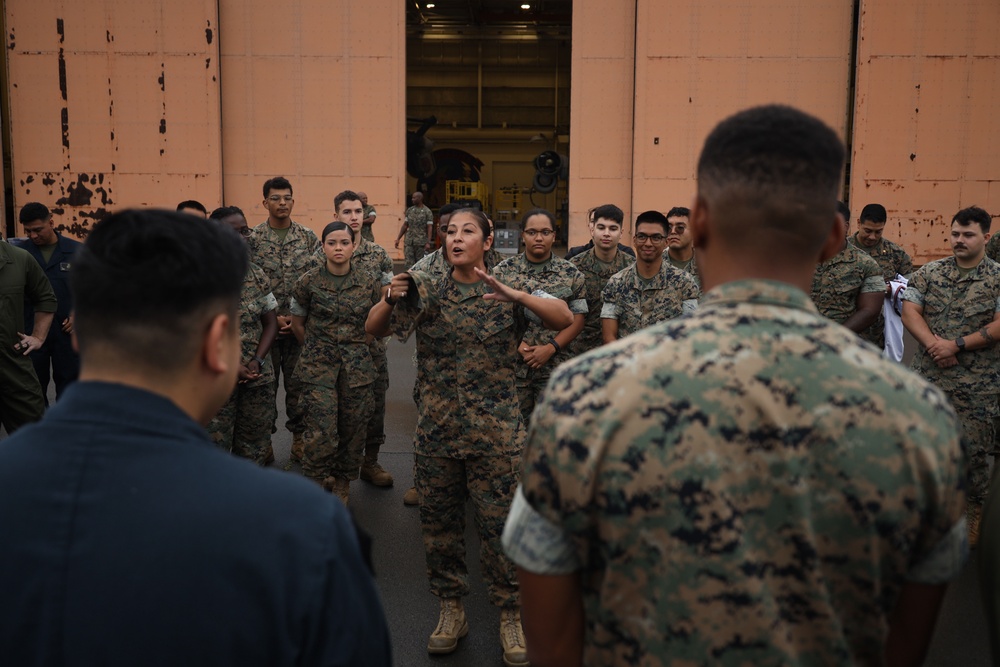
column 192, row 203
column 224, row 212
column 479, row 216
column 679, row 211
column 654, row 217
column 146, row 280
column 771, row 175
column 448, row 209
column 276, row 183
column 33, row 211
column 608, row 212
column 972, row 214
column 336, row 226
column 538, row 211
column 843, row 209
column 346, row 195
column 873, row 213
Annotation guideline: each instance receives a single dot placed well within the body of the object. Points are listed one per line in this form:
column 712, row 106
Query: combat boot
column 374, row 473
column 515, row 652
column 338, row 486
column 297, row 448
column 411, row 497
column 973, row 514
column 451, row 627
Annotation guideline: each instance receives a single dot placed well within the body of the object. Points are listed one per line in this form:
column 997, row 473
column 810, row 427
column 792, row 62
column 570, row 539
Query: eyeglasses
column 655, row 238
column 546, row 233
column 278, row 198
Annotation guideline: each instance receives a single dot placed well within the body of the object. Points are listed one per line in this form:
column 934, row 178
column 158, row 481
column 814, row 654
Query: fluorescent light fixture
column 525, row 6
column 430, row 5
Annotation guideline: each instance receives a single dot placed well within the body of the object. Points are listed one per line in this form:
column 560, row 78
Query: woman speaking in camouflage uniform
column 329, row 306
column 469, row 431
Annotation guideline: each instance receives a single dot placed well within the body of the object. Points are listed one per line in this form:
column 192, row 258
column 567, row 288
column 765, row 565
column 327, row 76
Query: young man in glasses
column 537, row 271
column 284, row 249
column 650, row 290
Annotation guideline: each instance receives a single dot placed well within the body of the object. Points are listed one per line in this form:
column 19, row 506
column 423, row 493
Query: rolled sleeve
column 688, row 306
column 609, row 311
column 295, row 308
column 268, row 303
column 913, row 295
column 579, row 306
column 946, row 560
column 536, row 544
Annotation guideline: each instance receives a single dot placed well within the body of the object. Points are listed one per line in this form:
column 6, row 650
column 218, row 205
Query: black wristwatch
column 960, row 342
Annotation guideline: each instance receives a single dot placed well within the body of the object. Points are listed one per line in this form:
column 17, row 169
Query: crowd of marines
column 491, row 330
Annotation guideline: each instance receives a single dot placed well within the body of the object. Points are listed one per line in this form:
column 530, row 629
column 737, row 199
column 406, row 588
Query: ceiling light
column 430, row 5
column 525, row 6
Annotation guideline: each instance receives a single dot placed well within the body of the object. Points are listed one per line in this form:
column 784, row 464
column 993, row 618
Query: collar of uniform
column 758, row 291
column 526, row 265
column 364, row 247
column 349, row 279
column 452, row 292
column 658, row 281
column 844, row 256
column 955, row 275
column 880, row 248
column 294, row 230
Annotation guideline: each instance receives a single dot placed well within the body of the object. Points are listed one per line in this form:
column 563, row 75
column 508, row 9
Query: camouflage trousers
column 366, row 233
column 529, row 390
column 284, row 355
column 413, row 252
column 335, row 425
column 243, row 425
column 375, row 436
column 978, row 415
column 444, row 485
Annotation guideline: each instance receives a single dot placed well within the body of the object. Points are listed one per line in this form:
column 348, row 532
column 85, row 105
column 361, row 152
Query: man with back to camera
column 650, row 290
column 284, row 249
column 744, row 485
column 54, row 253
column 951, row 306
column 129, row 538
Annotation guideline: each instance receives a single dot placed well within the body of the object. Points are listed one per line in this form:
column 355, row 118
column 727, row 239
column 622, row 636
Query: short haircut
column 873, row 213
column 276, row 183
column 654, row 217
column 538, row 211
column 679, row 212
column 844, row 210
column 608, row 212
column 771, row 177
column 146, row 281
column 192, row 203
column 448, row 209
column 336, row 226
column 967, row 216
column 346, row 195
column 33, row 211
column 224, row 212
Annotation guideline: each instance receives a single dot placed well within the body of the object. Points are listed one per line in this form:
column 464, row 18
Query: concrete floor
column 960, row 637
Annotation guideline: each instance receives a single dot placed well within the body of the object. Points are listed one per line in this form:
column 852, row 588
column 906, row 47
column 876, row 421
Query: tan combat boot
column 374, row 473
column 451, row 627
column 411, row 497
column 297, row 448
column 338, row 486
column 515, row 652
column 973, row 514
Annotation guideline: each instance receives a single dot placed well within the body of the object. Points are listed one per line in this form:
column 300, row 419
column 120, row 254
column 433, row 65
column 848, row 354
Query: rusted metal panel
column 926, row 132
column 319, row 99
column 725, row 59
column 114, row 104
column 601, row 99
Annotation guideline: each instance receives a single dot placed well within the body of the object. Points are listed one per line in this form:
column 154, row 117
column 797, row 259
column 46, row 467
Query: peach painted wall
column 696, row 62
column 927, row 130
column 113, row 104
column 314, row 91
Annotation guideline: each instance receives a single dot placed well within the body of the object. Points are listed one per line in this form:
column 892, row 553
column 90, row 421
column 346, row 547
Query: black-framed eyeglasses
column 655, row 238
column 538, row 232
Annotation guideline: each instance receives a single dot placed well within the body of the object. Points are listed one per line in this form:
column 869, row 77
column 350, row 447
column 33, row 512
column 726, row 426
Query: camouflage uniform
column 637, row 303
column 743, row 486
column 690, row 267
column 371, row 259
column 993, row 248
column 595, row 275
column 366, row 230
column 891, row 258
column 284, row 262
column 337, row 370
column 560, row 279
column 417, row 218
column 243, row 425
column 839, row 281
column 954, row 306
column 469, row 430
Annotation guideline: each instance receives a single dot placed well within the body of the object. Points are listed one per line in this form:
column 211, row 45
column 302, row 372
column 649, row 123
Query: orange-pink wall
column 927, row 128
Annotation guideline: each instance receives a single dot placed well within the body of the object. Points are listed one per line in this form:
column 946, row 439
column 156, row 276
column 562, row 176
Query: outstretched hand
column 500, row 291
